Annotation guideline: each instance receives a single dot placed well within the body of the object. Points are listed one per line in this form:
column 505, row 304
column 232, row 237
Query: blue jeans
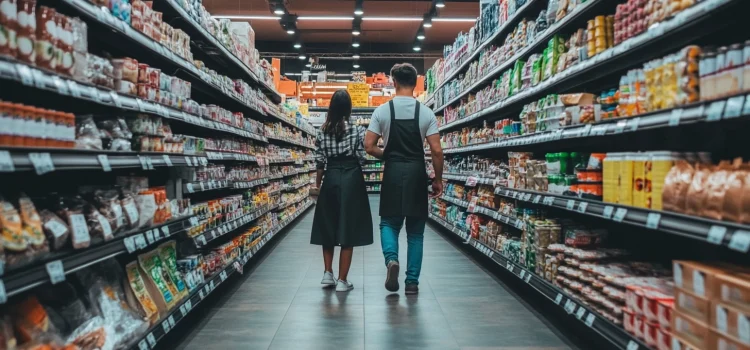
column 390, row 226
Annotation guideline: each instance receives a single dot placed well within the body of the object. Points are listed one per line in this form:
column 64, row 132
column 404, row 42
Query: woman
column 342, row 214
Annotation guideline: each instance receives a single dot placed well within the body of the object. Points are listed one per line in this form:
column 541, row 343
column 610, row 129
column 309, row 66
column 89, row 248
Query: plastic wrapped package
column 158, row 281
column 98, row 224
column 32, row 225
column 88, row 135
column 14, row 243
column 106, row 201
column 147, row 207
column 71, row 209
column 138, row 295
column 57, row 231
column 128, row 205
column 168, row 255
column 698, row 191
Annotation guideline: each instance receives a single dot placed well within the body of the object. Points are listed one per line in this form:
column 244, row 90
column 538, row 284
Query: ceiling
column 339, row 31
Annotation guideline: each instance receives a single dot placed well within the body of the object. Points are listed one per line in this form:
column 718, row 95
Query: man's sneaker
column 344, row 286
column 328, row 279
column 391, row 279
column 411, row 288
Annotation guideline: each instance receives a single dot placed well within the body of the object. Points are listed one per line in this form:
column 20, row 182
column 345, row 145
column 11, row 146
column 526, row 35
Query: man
column 404, row 123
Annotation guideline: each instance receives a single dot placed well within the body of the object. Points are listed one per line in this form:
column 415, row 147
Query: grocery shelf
column 28, row 276
column 294, row 187
column 667, row 36
column 205, row 41
column 614, row 334
column 581, row 11
column 179, row 312
column 289, row 160
column 284, row 205
column 732, row 235
column 708, row 111
column 464, row 178
column 45, row 160
column 250, row 184
column 34, row 77
column 506, row 27
column 293, row 173
column 373, row 191
column 212, row 155
column 377, row 170
column 210, row 185
column 478, row 209
column 290, row 141
column 211, row 234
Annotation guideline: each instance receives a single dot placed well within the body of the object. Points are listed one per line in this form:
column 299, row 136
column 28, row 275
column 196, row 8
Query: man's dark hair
column 404, row 74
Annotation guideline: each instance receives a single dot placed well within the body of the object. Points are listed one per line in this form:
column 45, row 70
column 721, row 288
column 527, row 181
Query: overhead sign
column 318, row 67
column 359, row 93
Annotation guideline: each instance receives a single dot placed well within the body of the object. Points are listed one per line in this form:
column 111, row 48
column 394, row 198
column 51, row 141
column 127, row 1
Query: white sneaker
column 328, row 279
column 344, row 286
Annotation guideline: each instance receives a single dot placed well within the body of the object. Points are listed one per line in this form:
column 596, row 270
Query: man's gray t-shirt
column 404, row 107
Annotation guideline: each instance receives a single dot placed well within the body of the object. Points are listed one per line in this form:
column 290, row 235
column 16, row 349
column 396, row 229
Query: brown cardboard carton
column 731, row 321
column 680, row 344
column 690, row 330
column 720, row 341
column 693, row 305
column 733, row 289
column 697, row 277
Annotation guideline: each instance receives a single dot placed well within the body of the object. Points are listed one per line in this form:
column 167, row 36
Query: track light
column 358, row 8
column 308, row 65
column 440, row 3
column 355, row 42
column 356, row 64
column 427, row 22
column 279, row 10
column 417, row 47
column 302, row 56
column 290, row 30
column 357, row 27
column 297, row 45
column 420, row 34
column 355, row 55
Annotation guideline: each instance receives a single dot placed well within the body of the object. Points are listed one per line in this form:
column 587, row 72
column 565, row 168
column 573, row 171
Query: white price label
column 632, row 345
column 652, row 220
column 571, row 204
column 620, row 127
column 590, row 319
column 189, row 187
column 523, row 274
column 171, row 321
column 140, row 241
column 586, row 130
column 607, row 213
column 104, row 161
column 537, row 199
column 129, row 244
column 167, row 160
column 143, row 345
column 6, row 162
column 144, row 164
column 188, row 161
column 528, row 277
column 42, row 162
column 183, row 310
column 3, row 295
column 141, row 105
column 634, row 124
column 581, row 312
column 203, row 295
column 202, row 239
column 674, row 118
column 115, row 99
column 55, row 271
column 73, row 89
column 746, row 109
column 740, row 241
column 715, row 110
column 734, row 107
column 24, row 73
column 582, row 207
column 619, row 214
column 150, row 237
column 570, row 306
column 165, row 231
column 165, row 326
column 151, row 339
column 149, row 163
column 716, row 234
column 558, row 298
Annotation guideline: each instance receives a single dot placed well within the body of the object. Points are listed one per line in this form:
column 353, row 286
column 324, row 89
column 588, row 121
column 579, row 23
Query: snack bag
column 168, row 255
column 138, row 294
column 156, row 271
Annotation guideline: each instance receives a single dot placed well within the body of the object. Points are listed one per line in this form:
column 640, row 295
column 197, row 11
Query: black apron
column 342, row 213
column 404, row 188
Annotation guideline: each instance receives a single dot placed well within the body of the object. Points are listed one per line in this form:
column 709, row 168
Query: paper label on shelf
column 716, row 234
column 632, row 345
column 537, row 199
column 740, row 241
column 73, row 88
column 586, row 130
column 582, row 207
column 620, row 126
column 144, row 164
column 143, row 345
column 620, row 214
column 189, row 187
column 3, row 295
column 634, row 124
column 56, row 228
column 674, row 118
column 607, row 212
column 151, row 339
column 571, row 204
column 721, row 318
column 129, row 244
column 6, row 162
column 188, row 161
column 140, row 241
column 104, row 161
column 746, row 109
column 528, row 277
column 590, row 319
column 570, row 306
column 167, row 160
column 149, row 163
column 171, row 320
column 652, row 220
column 55, row 271
column 24, row 73
column 79, row 228
column 734, row 107
column 202, row 294
column 558, row 298
column 165, row 231
column 165, row 326
column 581, row 312
column 61, row 87
column 42, row 162
column 150, row 237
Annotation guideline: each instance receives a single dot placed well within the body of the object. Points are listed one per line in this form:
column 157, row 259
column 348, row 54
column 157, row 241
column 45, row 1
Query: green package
column 168, row 255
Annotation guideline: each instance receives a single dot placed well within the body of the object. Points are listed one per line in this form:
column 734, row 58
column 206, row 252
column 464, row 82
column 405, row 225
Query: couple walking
column 342, row 215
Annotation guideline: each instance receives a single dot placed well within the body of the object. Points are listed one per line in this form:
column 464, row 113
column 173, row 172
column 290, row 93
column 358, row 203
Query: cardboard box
column 734, row 290
column 696, row 277
column 731, row 321
column 693, row 305
column 690, row 330
column 720, row 341
column 663, row 339
column 680, row 344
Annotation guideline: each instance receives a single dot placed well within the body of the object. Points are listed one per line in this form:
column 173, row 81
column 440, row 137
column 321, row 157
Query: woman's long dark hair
column 339, row 112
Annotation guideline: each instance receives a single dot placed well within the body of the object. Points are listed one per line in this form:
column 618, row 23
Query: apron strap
column 393, row 111
column 416, row 116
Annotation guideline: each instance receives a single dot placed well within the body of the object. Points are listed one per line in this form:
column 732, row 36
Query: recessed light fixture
column 290, row 31
column 427, row 21
column 302, row 56
column 308, row 65
column 358, row 8
column 420, row 34
column 440, row 3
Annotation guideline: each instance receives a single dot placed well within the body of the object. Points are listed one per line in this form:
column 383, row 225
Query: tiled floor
column 281, row 304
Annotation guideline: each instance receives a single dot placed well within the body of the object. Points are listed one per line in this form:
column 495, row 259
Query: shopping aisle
column 281, row 304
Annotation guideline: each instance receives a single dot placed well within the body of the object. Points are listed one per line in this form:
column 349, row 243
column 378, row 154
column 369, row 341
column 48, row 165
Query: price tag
column 183, row 309
column 141, row 105
column 619, row 214
column 585, row 131
column 73, row 89
column 167, row 160
column 558, row 298
column 55, row 271
column 652, row 220
column 140, row 241
column 151, row 339
column 582, row 207
column 143, row 345
column 195, row 161
column 716, row 234
column 24, row 73
column 632, row 345
column 189, row 187
column 6, row 162
column 528, row 277
column 144, row 164
column 734, row 107
column 171, row 321
column 740, row 241
column 202, row 239
column 203, row 295
column 165, row 326
column 674, row 118
column 3, row 294
column 129, row 244
column 620, row 127
column 746, row 109
column 571, row 204
column 42, row 162
column 104, row 161
column 61, row 87
column 523, row 274
column 149, row 163
column 715, row 110
column 537, row 199
column 634, row 124
column 581, row 312
column 115, row 99
column 570, row 307
column 188, row 161
column 590, row 319
column 607, row 213
column 203, row 187
column 150, row 237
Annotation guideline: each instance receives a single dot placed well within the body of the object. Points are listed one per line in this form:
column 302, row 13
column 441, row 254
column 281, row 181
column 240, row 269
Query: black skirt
column 342, row 213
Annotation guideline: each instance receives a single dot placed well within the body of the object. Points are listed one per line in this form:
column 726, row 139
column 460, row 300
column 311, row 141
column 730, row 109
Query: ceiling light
column 279, row 10
column 420, row 34
column 356, row 32
column 325, row 18
column 355, row 56
column 427, row 22
column 467, row 20
column 358, row 8
column 440, row 3
column 349, row 18
column 356, row 27
column 290, row 31
column 417, row 47
column 302, row 56
column 356, row 64
column 247, row 17
column 308, row 65
column 355, row 42
column 297, row 45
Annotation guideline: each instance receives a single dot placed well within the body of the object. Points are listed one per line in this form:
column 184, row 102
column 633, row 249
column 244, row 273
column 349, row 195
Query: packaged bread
column 745, row 209
column 32, row 224
column 695, row 197
column 716, row 189
column 735, row 182
column 12, row 232
column 55, row 228
column 70, row 209
column 676, row 184
column 168, row 255
column 138, row 294
column 157, row 274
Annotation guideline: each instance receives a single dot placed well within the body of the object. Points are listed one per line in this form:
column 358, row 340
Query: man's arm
column 371, row 145
column 436, row 151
